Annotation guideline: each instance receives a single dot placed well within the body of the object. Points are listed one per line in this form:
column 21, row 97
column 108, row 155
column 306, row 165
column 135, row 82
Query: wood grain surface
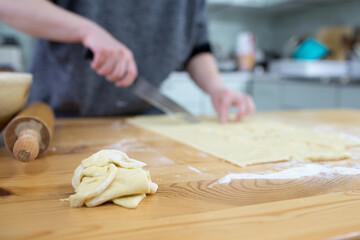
column 190, row 202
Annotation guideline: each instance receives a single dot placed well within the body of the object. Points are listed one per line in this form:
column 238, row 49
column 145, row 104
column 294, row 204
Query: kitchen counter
column 191, row 203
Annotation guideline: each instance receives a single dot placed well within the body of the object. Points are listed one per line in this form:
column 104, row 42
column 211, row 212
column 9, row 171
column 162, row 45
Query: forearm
column 43, row 19
column 204, row 71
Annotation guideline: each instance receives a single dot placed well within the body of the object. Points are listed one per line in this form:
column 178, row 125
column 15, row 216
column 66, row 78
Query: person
column 128, row 38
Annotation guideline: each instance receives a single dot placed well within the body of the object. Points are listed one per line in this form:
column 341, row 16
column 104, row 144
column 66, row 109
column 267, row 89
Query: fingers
column 242, row 105
column 224, row 104
column 252, row 105
column 99, row 59
column 121, row 64
column 225, row 99
column 117, row 65
column 130, row 75
column 104, row 60
column 107, row 67
column 129, row 78
column 245, row 106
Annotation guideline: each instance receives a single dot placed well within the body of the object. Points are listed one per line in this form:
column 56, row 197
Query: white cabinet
column 349, row 97
column 267, row 95
column 279, row 94
column 308, row 95
column 180, row 87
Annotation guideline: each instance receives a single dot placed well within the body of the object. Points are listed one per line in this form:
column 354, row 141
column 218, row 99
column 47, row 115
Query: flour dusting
column 292, row 173
column 194, row 169
column 130, row 144
column 352, row 235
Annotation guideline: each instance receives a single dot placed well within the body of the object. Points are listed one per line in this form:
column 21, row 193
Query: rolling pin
column 29, row 134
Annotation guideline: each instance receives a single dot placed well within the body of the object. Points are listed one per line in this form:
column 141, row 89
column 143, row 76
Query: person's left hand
column 223, row 99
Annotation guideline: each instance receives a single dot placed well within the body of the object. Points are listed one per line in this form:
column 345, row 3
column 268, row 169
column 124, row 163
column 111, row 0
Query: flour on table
column 308, row 170
column 194, row 169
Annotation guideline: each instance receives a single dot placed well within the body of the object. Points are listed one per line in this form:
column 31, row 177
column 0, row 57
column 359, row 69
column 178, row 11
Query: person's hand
column 112, row 59
column 223, row 99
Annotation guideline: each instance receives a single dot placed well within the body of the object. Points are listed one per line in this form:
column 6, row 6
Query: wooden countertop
column 189, row 204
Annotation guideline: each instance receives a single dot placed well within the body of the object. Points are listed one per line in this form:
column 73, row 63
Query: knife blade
column 152, row 95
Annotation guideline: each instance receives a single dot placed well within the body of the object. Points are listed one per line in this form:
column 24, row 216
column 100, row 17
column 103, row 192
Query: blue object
column 311, row 49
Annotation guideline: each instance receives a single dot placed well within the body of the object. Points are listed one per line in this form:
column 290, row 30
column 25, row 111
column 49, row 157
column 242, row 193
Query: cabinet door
column 349, row 97
column 180, row 88
column 308, row 95
column 267, row 95
column 236, row 81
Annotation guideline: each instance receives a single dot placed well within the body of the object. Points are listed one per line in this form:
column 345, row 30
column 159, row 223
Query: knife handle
column 88, row 54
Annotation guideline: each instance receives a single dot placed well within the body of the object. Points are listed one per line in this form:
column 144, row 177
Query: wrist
column 216, row 88
column 86, row 30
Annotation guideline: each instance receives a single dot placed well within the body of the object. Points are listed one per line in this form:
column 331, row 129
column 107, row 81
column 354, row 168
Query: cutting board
column 191, row 201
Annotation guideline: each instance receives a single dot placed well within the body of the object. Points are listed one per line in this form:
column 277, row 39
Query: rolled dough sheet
column 252, row 141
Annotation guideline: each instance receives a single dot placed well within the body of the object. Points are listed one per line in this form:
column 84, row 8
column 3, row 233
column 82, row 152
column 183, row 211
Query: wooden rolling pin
column 29, row 134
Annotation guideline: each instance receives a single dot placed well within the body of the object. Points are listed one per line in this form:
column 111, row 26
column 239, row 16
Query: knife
column 151, row 94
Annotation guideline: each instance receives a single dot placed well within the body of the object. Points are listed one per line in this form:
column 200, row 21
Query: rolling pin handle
column 26, row 147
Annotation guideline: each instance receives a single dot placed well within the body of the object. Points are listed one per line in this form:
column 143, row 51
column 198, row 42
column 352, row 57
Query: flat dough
column 130, row 201
column 110, row 175
column 252, row 141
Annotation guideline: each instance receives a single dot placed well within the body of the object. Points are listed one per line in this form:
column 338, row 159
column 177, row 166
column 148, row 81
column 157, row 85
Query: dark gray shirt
column 161, row 33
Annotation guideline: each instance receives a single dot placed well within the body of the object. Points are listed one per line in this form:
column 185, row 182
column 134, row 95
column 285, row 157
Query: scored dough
column 110, row 175
column 252, row 141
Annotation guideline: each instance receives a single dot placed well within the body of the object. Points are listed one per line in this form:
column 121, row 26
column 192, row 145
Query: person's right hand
column 112, row 59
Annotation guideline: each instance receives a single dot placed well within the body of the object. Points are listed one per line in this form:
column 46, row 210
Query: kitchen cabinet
column 349, row 97
column 275, row 93
column 307, row 95
column 183, row 90
column 267, row 95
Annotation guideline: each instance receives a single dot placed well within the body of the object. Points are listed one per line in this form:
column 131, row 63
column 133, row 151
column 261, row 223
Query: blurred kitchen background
column 288, row 54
